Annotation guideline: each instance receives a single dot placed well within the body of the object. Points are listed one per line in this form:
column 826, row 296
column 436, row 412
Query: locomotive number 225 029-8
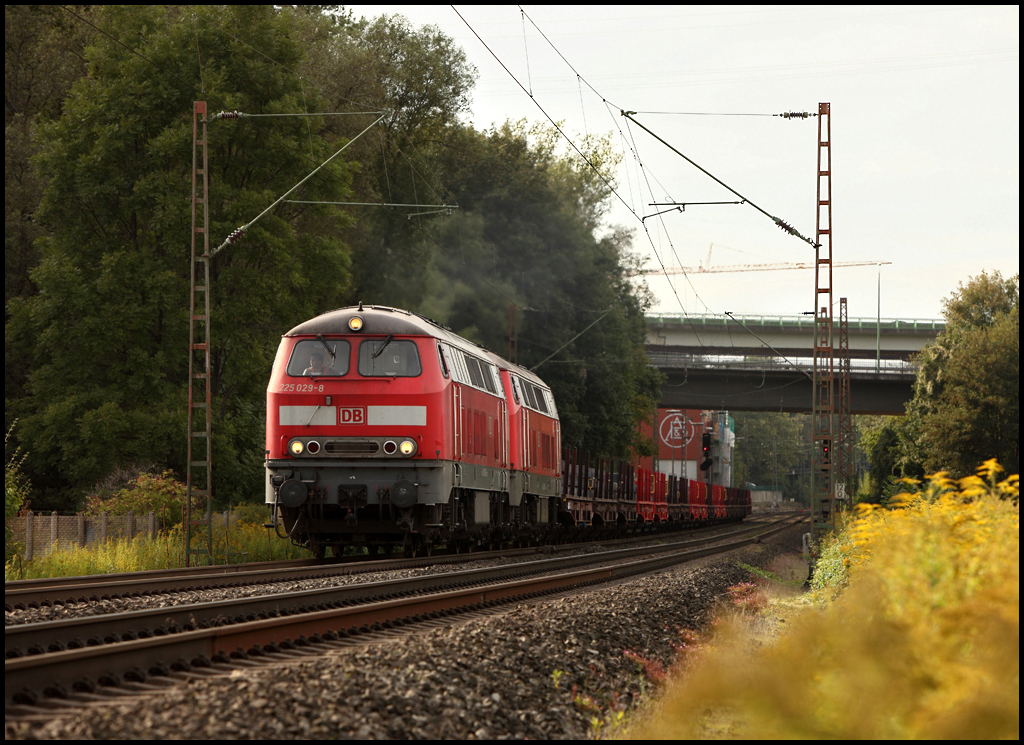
column 301, row 388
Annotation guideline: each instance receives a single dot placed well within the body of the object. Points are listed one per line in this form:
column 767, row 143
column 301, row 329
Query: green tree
column 43, row 56
column 106, row 339
column 98, row 357
column 966, row 405
column 886, row 442
column 529, row 235
column 768, row 445
column 423, row 80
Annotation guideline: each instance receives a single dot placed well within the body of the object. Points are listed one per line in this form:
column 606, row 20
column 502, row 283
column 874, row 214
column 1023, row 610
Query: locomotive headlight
column 295, row 447
column 355, row 323
column 408, row 447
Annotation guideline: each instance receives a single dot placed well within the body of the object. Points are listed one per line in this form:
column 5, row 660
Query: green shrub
column 252, row 514
column 16, row 492
column 161, row 494
column 831, row 570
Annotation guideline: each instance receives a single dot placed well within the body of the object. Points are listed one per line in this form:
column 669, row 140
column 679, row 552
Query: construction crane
column 706, row 268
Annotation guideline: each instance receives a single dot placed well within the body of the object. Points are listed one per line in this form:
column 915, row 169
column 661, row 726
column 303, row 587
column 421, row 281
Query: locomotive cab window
column 312, row 358
column 444, row 364
column 389, row 357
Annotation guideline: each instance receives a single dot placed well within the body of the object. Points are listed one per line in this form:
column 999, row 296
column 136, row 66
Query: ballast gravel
column 535, row 671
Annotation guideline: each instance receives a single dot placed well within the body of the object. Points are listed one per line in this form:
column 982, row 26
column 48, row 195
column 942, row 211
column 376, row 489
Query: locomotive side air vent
column 350, row 447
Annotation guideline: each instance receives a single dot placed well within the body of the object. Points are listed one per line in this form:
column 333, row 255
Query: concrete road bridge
column 763, row 363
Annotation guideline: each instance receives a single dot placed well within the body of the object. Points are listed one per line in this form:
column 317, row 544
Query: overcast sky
column 925, row 136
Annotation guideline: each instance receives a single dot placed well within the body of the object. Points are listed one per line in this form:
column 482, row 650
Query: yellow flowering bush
column 922, row 642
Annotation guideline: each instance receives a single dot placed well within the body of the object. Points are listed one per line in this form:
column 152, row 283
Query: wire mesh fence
column 37, row 535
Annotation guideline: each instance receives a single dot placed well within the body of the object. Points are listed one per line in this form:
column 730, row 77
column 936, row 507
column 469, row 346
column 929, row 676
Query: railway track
column 38, row 593
column 137, row 651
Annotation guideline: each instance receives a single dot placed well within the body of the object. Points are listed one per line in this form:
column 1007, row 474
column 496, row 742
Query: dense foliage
column 966, row 404
column 527, row 236
column 98, row 228
column 161, row 494
column 101, row 336
column 769, row 448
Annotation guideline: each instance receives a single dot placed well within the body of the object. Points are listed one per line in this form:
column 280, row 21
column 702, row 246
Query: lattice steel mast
column 844, row 446
column 823, row 508
column 199, row 469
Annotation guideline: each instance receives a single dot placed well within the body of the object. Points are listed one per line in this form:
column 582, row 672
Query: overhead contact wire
column 672, row 246
column 785, row 226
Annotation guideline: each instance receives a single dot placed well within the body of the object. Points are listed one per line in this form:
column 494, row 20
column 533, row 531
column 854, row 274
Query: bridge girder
column 777, row 390
column 790, row 335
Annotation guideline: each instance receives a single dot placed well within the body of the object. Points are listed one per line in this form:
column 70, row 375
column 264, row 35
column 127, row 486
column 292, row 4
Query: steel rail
column 55, row 583
column 57, row 673
column 23, row 594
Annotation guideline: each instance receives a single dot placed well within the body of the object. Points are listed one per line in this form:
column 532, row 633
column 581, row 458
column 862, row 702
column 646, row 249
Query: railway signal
column 705, row 444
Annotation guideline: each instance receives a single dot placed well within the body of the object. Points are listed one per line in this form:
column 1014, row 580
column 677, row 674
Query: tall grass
column 243, row 541
column 921, row 641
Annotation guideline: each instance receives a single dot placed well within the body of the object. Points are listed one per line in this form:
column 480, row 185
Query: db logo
column 351, row 415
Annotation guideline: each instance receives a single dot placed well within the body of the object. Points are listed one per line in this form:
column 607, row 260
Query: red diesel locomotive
column 385, row 427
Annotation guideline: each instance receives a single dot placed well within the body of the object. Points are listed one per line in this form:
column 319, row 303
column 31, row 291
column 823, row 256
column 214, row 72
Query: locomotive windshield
column 316, row 358
column 391, row 357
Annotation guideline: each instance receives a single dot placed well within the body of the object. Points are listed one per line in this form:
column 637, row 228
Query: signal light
column 705, row 443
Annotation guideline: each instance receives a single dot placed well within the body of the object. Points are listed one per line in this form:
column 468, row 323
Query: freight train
column 385, row 428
